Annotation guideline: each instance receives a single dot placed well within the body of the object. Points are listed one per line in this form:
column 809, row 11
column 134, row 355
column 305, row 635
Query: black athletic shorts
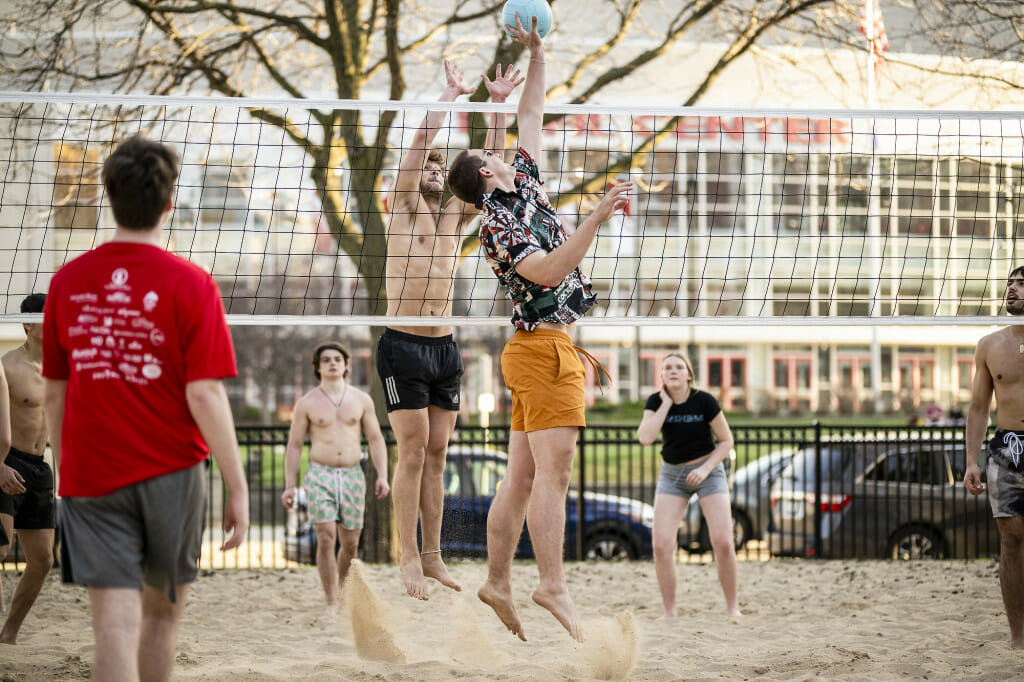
column 33, row 509
column 418, row 371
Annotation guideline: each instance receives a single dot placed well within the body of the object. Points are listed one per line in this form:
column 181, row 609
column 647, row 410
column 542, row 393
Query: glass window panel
column 964, row 378
column 781, row 374
column 927, row 376
column 913, row 169
column 803, row 373
column 723, row 163
column 845, row 374
column 739, row 374
column 970, row 170
column 714, row 372
column 974, row 203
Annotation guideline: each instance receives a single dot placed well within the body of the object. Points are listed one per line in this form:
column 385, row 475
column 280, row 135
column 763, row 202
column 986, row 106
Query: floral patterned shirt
column 516, row 224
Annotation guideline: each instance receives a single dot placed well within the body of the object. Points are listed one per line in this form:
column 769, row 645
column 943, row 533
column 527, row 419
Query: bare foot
column 1016, row 645
column 501, row 602
column 666, row 616
column 561, row 607
column 331, row 609
column 415, row 583
column 735, row 613
column 433, row 567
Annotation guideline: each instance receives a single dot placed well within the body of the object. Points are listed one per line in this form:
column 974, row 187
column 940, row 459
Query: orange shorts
column 546, row 378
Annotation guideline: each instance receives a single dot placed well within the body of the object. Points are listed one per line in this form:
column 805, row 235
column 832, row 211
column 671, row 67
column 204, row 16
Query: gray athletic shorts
column 672, row 480
column 1004, row 476
column 150, row 532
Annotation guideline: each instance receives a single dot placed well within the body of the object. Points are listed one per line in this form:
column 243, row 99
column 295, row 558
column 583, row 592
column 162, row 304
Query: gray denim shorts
column 672, row 480
column 149, row 532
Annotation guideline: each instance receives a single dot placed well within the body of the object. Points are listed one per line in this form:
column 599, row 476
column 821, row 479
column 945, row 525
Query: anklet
column 433, row 551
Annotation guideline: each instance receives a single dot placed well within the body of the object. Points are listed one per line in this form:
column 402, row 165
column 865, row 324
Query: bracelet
column 433, row 551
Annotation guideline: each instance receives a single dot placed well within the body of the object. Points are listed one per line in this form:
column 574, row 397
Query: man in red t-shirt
column 135, row 346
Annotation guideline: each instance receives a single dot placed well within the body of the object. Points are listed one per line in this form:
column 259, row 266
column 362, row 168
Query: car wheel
column 741, row 531
column 608, row 546
column 916, row 542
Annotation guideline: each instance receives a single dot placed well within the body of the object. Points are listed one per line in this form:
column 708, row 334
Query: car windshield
column 482, row 476
column 834, row 461
column 925, row 464
column 487, row 474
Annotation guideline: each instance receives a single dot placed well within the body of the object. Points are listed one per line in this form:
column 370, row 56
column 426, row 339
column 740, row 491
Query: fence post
column 817, row 488
column 580, row 509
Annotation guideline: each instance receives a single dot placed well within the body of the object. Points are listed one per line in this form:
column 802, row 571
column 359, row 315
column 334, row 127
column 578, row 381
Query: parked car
column 616, row 528
column 876, row 500
column 751, row 512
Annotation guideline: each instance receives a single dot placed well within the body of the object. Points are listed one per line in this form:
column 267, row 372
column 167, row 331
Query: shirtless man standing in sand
column 420, row 366
column 999, row 368
column 26, row 480
column 335, row 415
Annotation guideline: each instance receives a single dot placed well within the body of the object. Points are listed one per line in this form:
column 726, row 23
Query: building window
column 224, row 198
column 723, row 181
column 76, row 187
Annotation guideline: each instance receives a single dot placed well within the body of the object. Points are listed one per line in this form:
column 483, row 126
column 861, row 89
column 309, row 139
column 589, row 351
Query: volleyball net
column 789, row 217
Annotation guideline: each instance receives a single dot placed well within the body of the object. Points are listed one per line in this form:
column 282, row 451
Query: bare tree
column 353, row 47
column 979, row 42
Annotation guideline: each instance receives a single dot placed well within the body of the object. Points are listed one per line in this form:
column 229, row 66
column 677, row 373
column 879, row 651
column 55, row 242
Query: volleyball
column 528, row 9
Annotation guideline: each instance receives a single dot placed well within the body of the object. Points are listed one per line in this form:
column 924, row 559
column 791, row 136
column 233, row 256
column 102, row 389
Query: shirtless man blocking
column 334, row 415
column 420, row 366
column 999, row 368
column 26, row 480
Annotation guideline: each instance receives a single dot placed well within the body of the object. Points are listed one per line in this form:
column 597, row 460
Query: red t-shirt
column 128, row 326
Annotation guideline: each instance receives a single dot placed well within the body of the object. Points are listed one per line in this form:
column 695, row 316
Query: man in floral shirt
column 538, row 263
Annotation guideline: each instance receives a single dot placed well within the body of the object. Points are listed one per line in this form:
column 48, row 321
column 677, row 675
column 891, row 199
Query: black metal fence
column 810, row 490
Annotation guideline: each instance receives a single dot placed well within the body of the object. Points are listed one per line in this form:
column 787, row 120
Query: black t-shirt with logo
column 686, row 434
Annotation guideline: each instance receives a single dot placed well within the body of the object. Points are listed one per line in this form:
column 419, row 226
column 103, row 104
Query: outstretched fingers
column 519, row 33
column 454, row 78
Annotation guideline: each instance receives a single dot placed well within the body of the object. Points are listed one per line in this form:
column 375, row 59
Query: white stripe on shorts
column 389, row 384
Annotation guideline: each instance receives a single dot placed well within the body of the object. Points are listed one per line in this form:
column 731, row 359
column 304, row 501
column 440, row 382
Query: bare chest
column 419, row 238
column 25, row 385
column 341, row 418
column 1006, row 365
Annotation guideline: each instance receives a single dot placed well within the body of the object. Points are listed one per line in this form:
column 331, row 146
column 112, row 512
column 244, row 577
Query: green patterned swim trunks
column 336, row 494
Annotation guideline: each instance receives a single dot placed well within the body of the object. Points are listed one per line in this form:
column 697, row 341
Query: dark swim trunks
column 1005, row 474
column 418, row 371
column 35, row 508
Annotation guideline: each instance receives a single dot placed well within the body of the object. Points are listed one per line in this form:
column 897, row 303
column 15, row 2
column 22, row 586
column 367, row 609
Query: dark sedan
column 901, row 500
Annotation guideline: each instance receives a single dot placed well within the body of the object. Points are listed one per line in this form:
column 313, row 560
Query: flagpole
column 874, row 204
column 870, row 32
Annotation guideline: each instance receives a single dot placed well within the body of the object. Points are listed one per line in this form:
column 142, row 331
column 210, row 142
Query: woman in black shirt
column 696, row 440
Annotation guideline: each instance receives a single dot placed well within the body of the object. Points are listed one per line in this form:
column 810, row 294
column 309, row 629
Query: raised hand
column 453, row 80
column 615, row 200
column 503, row 85
column 529, row 38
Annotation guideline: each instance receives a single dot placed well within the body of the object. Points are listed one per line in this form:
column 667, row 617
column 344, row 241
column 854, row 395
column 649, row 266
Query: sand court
column 841, row 620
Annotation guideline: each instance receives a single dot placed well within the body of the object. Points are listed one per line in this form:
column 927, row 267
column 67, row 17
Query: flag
column 878, row 41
